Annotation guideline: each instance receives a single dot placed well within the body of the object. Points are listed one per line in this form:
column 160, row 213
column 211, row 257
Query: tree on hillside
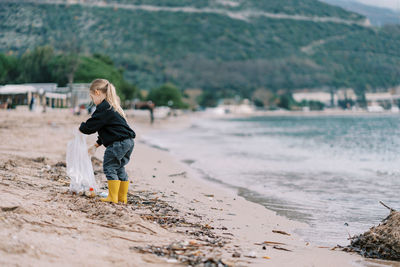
column 91, row 68
column 8, row 69
column 128, row 91
column 263, row 97
column 167, row 95
column 35, row 66
column 286, row 101
column 208, row 99
column 43, row 65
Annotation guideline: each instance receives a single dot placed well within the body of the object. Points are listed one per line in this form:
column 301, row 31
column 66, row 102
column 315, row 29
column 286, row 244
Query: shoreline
column 248, row 221
column 169, row 206
column 288, row 113
column 281, row 221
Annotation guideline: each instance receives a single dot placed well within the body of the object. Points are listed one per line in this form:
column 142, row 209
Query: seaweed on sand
column 379, row 242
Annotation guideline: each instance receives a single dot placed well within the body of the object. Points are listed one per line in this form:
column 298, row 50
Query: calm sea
column 328, row 171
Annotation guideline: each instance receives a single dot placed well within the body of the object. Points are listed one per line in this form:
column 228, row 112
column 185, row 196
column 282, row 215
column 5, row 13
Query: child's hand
column 92, row 150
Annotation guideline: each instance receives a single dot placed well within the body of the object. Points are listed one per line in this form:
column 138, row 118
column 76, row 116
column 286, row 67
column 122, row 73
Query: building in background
column 320, row 96
column 44, row 95
column 79, row 94
column 16, row 94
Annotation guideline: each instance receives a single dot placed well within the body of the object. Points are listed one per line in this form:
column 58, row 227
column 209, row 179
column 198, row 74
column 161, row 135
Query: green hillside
column 214, row 50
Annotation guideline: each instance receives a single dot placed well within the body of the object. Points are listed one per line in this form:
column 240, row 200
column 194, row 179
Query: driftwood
column 281, row 248
column 9, row 208
column 386, row 206
column 138, row 224
column 280, row 232
column 116, row 227
column 46, row 223
column 128, row 239
column 177, row 174
column 380, row 242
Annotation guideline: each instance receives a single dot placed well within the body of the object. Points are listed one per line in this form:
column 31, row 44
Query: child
column 115, row 134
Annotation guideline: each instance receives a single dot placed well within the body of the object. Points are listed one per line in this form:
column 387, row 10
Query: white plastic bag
column 79, row 165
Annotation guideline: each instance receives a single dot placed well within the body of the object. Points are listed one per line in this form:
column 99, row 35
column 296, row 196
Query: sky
column 393, row 4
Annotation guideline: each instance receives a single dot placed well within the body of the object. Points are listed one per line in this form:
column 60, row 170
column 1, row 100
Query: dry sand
column 170, row 209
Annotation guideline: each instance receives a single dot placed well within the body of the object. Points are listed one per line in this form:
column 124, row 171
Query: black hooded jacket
column 109, row 124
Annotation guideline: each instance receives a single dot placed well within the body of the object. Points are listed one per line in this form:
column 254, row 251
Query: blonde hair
column 111, row 96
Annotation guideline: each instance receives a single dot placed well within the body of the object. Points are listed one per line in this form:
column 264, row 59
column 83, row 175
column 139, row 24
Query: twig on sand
column 280, row 232
column 50, row 224
column 270, row 243
column 177, row 174
column 116, row 228
column 146, row 228
column 124, row 238
column 61, row 226
column 386, row 206
column 281, row 248
column 9, row 208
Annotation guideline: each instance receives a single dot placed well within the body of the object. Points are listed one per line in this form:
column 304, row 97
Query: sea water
column 328, row 171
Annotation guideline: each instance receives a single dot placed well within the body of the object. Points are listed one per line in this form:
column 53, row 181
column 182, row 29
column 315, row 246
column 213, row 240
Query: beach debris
column 281, row 248
column 280, row 232
column 379, row 242
column 103, row 194
column 96, row 161
column 228, row 234
column 90, row 193
column 46, row 223
column 4, row 184
column 236, row 254
column 215, row 263
column 8, row 165
column 251, row 254
column 152, row 208
column 271, row 243
column 266, row 257
column 9, row 208
column 125, row 238
column 56, row 172
column 186, row 252
column 146, row 205
column 386, row 206
column 40, row 159
column 61, row 164
column 275, row 245
column 178, row 174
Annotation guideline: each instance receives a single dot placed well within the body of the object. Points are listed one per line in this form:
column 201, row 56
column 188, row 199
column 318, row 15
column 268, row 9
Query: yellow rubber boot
column 113, row 189
column 123, row 192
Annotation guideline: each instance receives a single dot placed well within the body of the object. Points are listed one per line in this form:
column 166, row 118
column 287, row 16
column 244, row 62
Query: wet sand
column 173, row 216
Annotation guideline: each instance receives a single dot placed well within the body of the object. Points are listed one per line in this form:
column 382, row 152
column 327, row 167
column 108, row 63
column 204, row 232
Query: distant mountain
column 217, row 45
column 377, row 15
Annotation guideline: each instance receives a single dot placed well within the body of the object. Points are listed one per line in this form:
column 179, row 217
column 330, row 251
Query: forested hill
column 236, row 45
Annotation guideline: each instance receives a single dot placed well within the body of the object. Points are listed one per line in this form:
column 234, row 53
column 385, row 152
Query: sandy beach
column 173, row 216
